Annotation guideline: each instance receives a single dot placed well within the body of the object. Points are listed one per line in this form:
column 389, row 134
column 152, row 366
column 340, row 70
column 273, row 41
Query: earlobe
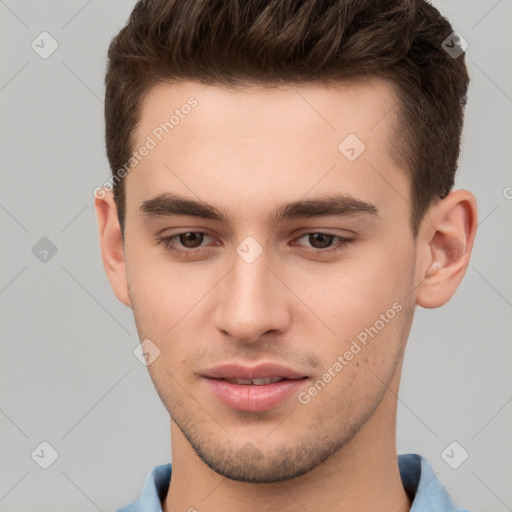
column 445, row 243
column 111, row 244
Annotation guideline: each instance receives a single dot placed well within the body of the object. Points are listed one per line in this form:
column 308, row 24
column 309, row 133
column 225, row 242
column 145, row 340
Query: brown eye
column 187, row 243
column 319, row 243
column 191, row 239
column 320, row 240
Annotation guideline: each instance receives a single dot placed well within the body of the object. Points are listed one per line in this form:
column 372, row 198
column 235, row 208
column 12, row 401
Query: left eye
column 322, row 242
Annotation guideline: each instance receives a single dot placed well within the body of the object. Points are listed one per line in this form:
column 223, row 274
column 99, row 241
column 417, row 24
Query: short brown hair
column 272, row 42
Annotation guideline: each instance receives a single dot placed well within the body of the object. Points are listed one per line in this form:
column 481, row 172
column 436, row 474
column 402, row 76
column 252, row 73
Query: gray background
column 68, row 373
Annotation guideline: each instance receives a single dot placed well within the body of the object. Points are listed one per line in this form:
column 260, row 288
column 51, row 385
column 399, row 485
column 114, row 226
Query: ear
column 111, row 243
column 444, row 243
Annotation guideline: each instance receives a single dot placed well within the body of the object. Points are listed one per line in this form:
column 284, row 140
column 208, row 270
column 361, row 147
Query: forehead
column 222, row 143
column 355, row 106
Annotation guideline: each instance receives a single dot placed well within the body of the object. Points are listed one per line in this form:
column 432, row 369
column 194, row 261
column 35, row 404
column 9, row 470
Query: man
column 282, row 201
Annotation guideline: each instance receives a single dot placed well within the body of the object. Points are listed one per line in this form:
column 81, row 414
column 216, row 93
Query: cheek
column 351, row 294
column 163, row 291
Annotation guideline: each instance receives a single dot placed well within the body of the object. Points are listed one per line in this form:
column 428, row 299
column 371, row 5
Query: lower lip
column 252, row 398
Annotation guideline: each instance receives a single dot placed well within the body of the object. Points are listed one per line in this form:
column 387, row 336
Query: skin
column 248, row 151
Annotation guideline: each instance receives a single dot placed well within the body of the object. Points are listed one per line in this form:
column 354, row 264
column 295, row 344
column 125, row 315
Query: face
column 300, row 254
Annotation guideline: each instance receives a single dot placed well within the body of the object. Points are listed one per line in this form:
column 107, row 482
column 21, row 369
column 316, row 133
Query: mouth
column 255, row 382
column 253, row 389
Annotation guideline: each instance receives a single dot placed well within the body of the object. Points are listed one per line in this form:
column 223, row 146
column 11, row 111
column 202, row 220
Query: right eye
column 190, row 240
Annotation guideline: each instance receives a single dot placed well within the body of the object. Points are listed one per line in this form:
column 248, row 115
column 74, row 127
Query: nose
column 251, row 302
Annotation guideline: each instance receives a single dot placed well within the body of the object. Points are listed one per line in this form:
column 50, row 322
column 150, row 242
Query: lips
column 255, row 382
column 253, row 389
column 261, row 371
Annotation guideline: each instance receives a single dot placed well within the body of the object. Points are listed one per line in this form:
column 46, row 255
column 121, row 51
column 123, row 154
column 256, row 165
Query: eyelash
column 167, row 241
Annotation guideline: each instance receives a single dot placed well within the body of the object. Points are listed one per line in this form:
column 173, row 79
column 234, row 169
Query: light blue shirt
column 418, row 478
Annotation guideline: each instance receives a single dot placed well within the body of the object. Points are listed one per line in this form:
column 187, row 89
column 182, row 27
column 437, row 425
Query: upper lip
column 261, row 371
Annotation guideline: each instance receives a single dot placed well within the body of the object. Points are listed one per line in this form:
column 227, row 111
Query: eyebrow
column 338, row 205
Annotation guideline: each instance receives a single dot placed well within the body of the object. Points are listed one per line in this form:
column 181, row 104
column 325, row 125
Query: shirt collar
column 418, row 478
